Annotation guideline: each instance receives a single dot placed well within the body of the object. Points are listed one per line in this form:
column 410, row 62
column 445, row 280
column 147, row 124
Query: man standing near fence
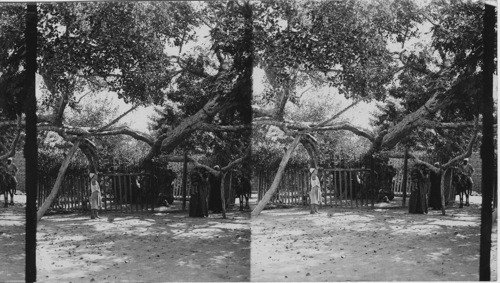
column 315, row 193
column 95, row 197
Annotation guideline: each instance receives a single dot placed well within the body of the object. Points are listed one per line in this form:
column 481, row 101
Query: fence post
column 223, row 193
column 184, row 182
column 405, row 176
column 374, row 194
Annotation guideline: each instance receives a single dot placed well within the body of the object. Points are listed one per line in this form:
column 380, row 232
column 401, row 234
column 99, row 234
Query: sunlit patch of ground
column 143, row 247
column 364, row 244
column 12, row 231
column 138, row 247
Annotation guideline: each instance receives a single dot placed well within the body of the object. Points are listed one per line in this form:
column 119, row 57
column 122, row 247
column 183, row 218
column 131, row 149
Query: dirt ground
column 381, row 244
column 139, row 247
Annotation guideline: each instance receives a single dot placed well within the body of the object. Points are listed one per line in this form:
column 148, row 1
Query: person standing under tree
column 418, row 197
column 12, row 170
column 435, row 190
column 214, row 196
column 315, row 192
column 95, row 197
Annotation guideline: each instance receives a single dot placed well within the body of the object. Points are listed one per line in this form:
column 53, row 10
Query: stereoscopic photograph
column 267, row 141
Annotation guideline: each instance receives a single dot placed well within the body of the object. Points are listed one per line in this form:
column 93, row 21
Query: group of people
column 205, row 193
column 426, row 189
column 424, row 193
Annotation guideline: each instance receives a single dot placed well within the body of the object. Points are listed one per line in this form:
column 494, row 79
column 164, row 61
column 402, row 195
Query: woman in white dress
column 315, row 193
column 95, row 197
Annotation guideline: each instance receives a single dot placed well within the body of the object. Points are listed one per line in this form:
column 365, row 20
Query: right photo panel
column 369, row 119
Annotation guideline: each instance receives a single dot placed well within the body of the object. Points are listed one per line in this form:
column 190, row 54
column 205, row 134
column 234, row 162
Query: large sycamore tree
column 424, row 60
column 147, row 54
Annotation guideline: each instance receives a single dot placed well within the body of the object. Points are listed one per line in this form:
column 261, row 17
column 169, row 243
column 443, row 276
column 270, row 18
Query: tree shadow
column 146, row 247
column 142, row 247
column 12, row 231
column 388, row 241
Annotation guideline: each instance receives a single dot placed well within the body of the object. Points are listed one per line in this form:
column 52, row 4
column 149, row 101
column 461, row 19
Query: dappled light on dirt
column 139, row 247
column 12, row 252
column 382, row 244
column 144, row 247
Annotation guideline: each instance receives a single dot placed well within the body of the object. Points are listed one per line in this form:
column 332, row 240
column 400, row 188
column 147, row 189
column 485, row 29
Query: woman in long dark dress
column 435, row 191
column 214, row 198
column 198, row 201
column 418, row 197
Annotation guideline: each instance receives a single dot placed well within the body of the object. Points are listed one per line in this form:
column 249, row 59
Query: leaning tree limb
column 57, row 185
column 277, row 178
column 325, row 122
column 310, row 145
column 114, row 121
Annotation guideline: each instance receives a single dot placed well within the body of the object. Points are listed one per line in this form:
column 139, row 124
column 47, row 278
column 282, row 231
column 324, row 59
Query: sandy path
column 364, row 244
column 286, row 245
column 12, row 242
column 139, row 247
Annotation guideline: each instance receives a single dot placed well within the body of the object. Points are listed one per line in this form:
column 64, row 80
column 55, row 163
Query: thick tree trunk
column 172, row 139
column 90, row 151
column 443, row 198
column 184, row 181
column 311, row 146
column 413, row 120
column 223, row 194
column 60, row 177
column 274, row 186
column 405, row 176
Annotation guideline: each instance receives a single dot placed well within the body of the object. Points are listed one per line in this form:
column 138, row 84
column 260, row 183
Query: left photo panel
column 139, row 168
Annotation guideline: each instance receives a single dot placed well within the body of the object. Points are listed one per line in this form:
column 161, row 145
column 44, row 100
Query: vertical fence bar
column 131, row 192
column 139, row 191
column 69, row 192
column 73, row 189
column 372, row 181
column 335, row 187
column 147, row 179
column 405, row 176
column 120, row 191
column 115, row 193
column 105, row 191
column 184, row 182
column 356, row 188
column 350, row 188
column 330, row 187
column 341, row 186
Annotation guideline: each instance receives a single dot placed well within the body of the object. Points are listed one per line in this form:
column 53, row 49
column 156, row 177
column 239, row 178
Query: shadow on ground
column 364, row 244
column 12, row 252
column 139, row 247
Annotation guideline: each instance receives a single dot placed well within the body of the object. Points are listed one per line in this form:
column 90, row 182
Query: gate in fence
column 340, row 187
column 120, row 192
